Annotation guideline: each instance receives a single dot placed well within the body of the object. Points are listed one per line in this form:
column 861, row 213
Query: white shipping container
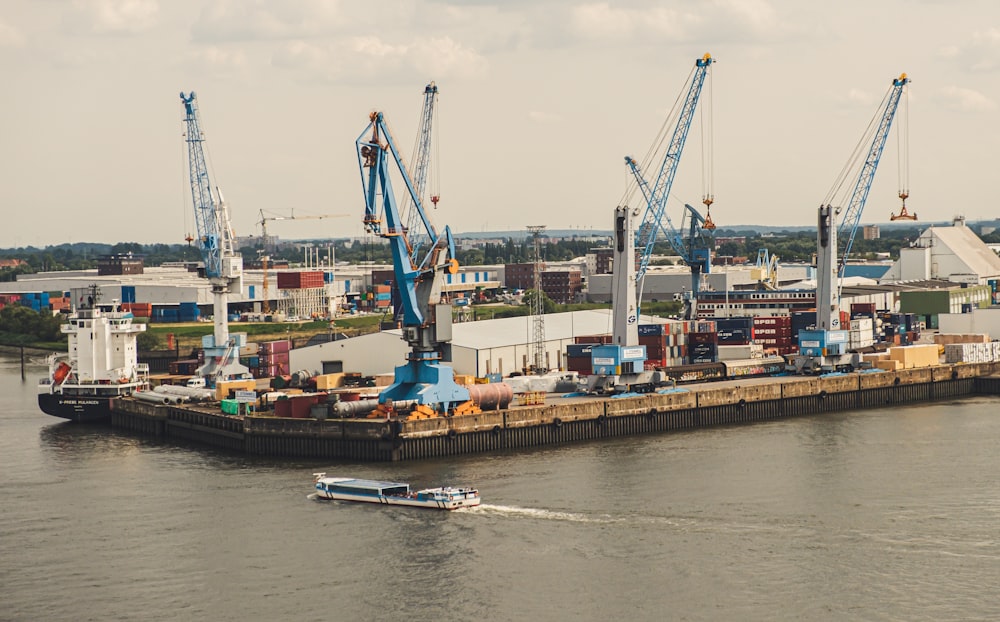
column 739, row 352
column 863, row 324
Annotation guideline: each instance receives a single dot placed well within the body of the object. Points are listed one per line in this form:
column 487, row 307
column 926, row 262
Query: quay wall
column 729, row 403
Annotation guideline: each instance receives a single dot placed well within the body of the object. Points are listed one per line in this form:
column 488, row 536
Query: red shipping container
column 603, row 339
column 703, row 338
column 274, row 358
column 270, row 347
column 300, row 279
column 775, row 320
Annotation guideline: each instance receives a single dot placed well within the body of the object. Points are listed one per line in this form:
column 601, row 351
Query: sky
column 539, row 103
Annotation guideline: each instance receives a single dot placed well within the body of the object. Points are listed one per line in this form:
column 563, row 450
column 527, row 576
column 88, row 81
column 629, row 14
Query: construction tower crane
column 265, row 251
column 825, row 348
column 421, row 166
column 619, row 367
column 222, row 264
column 424, row 382
column 694, row 249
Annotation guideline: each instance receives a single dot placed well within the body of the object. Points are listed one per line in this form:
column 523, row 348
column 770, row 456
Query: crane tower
column 222, row 264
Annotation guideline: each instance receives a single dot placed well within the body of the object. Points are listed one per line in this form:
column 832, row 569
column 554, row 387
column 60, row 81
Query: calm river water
column 878, row 515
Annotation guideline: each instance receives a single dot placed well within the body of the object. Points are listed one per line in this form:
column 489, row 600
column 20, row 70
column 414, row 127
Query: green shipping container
column 230, row 407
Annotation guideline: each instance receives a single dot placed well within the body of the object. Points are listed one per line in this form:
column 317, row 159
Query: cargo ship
column 101, row 363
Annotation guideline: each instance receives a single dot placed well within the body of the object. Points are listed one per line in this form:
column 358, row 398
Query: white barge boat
column 393, row 493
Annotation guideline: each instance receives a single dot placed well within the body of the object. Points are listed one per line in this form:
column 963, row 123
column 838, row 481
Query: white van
column 196, row 383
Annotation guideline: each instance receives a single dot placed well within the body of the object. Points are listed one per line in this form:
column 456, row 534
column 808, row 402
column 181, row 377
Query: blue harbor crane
column 222, row 264
column 619, row 366
column 425, row 384
column 694, row 248
column 825, row 348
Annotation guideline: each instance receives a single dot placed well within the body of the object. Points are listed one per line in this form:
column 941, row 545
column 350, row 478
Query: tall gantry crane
column 422, row 165
column 222, row 264
column 828, row 270
column 424, row 382
column 824, row 349
column 619, row 366
column 695, row 247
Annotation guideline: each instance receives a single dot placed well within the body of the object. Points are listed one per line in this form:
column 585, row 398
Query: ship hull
column 80, row 409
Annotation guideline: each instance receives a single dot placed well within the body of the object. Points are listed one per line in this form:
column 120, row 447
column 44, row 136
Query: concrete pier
column 561, row 420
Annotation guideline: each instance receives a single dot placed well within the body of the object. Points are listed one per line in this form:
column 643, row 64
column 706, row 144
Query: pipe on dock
column 361, row 408
column 492, row 396
column 192, row 393
column 152, row 397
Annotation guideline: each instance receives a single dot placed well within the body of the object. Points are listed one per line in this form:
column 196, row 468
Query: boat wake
column 539, row 514
column 513, row 511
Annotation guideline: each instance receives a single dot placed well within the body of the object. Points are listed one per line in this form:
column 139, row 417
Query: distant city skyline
column 539, row 104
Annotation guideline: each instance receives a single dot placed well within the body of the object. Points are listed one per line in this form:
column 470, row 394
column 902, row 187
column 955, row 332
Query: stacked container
column 775, row 333
column 735, row 331
column 578, row 357
column 304, row 279
column 273, row 358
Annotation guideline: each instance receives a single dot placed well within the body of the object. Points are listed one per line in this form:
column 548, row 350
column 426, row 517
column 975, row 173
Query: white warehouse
column 477, row 348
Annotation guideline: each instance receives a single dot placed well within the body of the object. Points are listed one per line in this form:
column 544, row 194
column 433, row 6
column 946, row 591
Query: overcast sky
column 540, row 101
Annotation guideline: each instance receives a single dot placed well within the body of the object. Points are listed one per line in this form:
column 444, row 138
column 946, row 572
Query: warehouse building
column 951, row 253
column 477, row 348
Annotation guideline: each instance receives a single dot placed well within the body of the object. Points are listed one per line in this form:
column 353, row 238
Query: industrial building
column 477, row 348
column 953, row 253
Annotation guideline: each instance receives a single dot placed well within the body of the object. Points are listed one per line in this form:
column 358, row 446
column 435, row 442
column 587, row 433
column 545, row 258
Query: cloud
column 753, row 20
column 255, row 20
column 966, row 100
column 363, row 59
column 10, row 36
column 981, row 52
column 540, row 117
column 859, row 98
column 602, row 21
column 118, row 16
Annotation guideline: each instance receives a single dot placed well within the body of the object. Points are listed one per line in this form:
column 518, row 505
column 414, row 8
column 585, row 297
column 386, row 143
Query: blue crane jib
column 852, row 213
column 693, row 249
column 426, row 320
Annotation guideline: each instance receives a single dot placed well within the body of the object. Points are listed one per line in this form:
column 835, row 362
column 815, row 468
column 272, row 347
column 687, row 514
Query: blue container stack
column 188, row 312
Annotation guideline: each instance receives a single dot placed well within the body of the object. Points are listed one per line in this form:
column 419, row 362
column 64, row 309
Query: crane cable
column 707, row 155
column 903, row 148
column 851, row 170
column 655, row 151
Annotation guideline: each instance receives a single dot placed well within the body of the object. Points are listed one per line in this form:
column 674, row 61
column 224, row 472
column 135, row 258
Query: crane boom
column 426, row 322
column 223, row 266
column 655, row 218
column 852, row 215
column 828, row 269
